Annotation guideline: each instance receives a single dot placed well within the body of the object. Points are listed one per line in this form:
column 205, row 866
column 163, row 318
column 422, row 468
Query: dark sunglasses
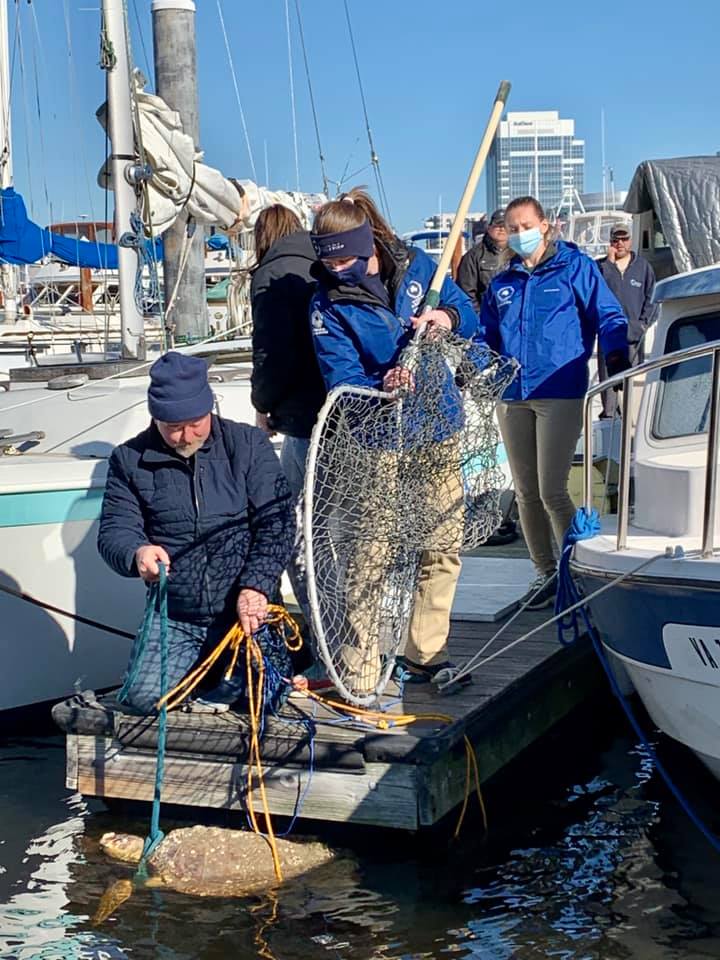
column 622, row 239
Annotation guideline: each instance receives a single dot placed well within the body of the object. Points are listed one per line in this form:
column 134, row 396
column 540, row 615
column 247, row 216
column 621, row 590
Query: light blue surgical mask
column 526, row 242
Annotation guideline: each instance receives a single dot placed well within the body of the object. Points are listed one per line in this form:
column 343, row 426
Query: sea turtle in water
column 210, row 862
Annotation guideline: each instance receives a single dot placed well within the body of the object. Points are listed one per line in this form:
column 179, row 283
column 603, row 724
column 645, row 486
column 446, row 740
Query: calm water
column 588, row 858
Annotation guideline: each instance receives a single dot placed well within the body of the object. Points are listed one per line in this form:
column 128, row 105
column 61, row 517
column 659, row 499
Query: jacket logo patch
column 505, row 294
column 635, row 283
column 415, row 293
column 317, row 323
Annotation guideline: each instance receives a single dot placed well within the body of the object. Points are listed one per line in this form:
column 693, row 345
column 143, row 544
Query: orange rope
column 232, row 642
column 384, row 721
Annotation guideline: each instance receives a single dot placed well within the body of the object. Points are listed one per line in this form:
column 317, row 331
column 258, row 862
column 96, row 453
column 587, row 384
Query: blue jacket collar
column 558, row 254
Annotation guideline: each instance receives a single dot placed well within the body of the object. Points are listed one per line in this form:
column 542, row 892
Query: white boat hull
column 49, row 509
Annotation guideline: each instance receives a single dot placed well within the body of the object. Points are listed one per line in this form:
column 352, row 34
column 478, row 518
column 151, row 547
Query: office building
column 538, row 154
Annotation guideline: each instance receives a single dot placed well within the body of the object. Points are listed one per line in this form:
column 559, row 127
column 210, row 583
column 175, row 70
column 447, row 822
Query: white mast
column 8, row 272
column 123, row 156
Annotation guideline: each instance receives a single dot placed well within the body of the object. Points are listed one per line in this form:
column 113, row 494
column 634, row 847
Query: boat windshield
column 683, row 401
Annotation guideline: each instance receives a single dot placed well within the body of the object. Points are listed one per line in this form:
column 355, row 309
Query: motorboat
column 660, row 620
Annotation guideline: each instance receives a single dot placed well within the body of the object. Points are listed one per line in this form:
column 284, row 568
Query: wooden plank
column 502, row 733
column 385, row 795
column 71, row 762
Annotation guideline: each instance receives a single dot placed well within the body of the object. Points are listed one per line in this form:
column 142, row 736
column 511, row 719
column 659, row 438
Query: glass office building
column 538, row 154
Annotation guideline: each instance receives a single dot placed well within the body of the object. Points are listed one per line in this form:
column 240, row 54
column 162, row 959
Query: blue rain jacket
column 358, row 338
column 548, row 319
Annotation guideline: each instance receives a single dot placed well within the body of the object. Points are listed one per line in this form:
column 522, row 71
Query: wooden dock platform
column 405, row 777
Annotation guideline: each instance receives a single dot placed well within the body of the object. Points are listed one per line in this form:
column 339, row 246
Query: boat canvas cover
column 684, row 193
column 22, row 241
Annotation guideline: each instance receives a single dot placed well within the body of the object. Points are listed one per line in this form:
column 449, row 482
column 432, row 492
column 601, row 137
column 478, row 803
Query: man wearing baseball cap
column 204, row 496
column 484, row 260
column 632, row 280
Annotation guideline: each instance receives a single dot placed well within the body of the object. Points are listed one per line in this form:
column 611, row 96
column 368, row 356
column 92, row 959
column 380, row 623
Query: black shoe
column 505, row 533
column 541, row 593
column 406, row 671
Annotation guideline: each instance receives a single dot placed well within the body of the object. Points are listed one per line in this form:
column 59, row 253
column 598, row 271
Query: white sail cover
column 182, row 181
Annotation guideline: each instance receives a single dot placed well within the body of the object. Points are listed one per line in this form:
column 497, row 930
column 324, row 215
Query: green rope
column 156, row 600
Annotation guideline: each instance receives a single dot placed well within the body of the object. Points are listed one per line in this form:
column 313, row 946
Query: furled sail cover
column 685, row 194
column 182, row 182
column 22, row 241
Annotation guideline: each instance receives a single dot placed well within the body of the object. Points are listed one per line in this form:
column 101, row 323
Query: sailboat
column 58, row 428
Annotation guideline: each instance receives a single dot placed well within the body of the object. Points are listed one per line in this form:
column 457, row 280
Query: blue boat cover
column 22, row 241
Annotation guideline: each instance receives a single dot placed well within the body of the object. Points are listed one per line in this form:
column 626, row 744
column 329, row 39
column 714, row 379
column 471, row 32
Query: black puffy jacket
column 477, row 268
column 286, row 381
column 223, row 516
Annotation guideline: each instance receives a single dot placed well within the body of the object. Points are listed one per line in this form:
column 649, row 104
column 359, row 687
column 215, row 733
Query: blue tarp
column 22, row 241
column 217, row 242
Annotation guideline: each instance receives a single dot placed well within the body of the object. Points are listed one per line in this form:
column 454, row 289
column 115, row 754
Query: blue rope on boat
column 584, row 526
column 156, row 602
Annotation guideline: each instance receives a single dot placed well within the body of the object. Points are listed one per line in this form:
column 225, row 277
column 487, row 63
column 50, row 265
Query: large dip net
column 388, row 478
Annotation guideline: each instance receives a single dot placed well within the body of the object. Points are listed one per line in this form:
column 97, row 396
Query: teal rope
column 156, row 600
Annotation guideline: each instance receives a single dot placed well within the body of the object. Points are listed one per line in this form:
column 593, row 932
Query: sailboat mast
column 176, row 81
column 8, row 273
column 123, row 155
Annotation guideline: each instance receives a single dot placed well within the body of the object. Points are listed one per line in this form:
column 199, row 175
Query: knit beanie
column 179, row 388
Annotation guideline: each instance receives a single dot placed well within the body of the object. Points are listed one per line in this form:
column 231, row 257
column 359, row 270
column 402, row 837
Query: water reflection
column 588, row 859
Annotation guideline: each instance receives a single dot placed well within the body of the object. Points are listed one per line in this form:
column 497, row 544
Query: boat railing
column 627, row 381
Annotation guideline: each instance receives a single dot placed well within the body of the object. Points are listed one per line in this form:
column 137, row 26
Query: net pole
column 432, row 297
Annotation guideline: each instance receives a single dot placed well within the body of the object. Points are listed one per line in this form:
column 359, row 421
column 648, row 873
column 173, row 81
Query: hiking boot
column 541, row 593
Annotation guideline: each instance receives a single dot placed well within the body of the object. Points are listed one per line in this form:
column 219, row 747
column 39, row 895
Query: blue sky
column 430, row 71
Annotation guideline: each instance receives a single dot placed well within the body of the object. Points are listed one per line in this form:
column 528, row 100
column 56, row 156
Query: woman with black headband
column 371, row 286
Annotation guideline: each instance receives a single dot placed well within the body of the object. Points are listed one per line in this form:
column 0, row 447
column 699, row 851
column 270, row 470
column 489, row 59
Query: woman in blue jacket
column 364, row 313
column 546, row 310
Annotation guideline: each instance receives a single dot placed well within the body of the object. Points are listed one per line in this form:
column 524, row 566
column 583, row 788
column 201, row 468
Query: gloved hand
column 616, row 362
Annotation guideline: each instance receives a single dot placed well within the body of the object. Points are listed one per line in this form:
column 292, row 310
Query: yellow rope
column 384, row 721
column 232, row 642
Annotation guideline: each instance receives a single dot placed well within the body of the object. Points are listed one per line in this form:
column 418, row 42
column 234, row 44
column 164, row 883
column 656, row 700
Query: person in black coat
column 287, row 388
column 484, row 260
column 206, row 497
column 632, row 280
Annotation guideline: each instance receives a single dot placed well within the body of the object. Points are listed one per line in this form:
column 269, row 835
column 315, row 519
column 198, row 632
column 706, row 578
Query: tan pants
column 540, row 438
column 377, row 578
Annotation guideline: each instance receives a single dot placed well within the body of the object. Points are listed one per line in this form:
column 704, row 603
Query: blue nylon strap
column 156, row 599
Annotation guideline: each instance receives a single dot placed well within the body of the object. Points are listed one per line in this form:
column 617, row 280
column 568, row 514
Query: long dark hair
column 273, row 223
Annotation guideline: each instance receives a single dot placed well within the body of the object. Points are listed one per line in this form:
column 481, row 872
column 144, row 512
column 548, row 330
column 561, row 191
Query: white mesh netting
column 389, row 477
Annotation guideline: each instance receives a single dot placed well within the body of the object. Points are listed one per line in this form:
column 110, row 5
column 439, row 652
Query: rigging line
column 72, row 76
column 7, row 102
column 40, row 125
column 150, row 74
column 374, row 159
column 312, row 98
column 145, row 186
column 237, row 92
column 292, row 95
column 26, row 118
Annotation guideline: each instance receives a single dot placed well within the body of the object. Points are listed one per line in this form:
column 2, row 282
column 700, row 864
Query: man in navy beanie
column 206, row 497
